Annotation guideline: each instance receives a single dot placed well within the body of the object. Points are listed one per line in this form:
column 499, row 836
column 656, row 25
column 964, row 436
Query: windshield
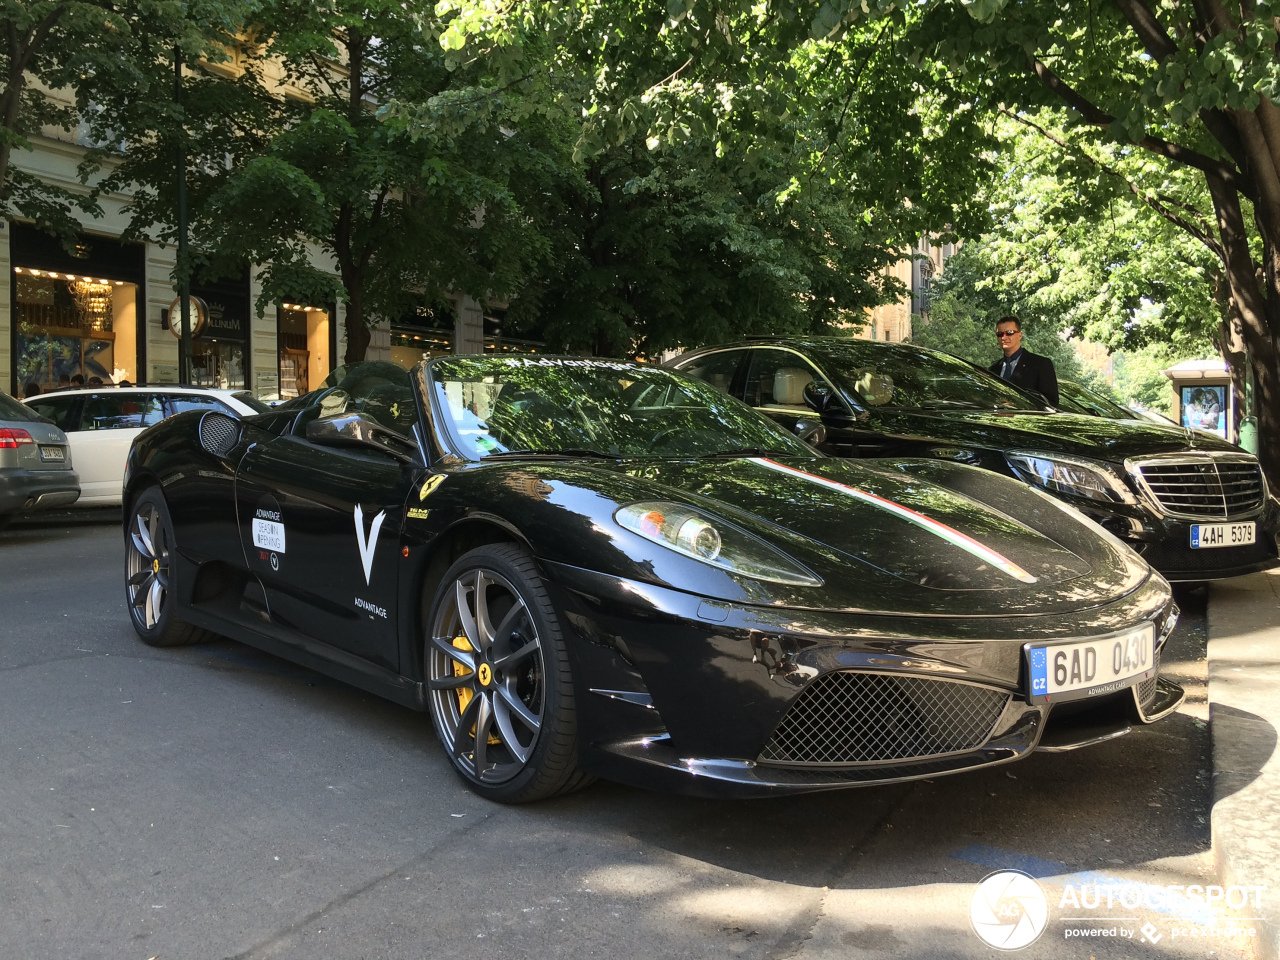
column 1082, row 400
column 591, row 407
column 11, row 409
column 902, row 376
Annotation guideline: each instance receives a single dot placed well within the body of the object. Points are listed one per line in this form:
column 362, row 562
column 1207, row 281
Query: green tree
column 965, row 306
column 1078, row 250
column 739, row 174
column 293, row 166
column 62, row 60
column 1190, row 86
column 1139, row 380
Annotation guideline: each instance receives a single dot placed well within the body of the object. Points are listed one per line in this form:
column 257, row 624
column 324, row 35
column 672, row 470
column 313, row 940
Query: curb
column 1244, row 711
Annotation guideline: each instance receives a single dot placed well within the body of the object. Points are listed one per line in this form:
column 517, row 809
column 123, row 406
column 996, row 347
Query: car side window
column 375, row 397
column 776, row 381
column 54, row 408
column 182, row 402
column 718, row 369
column 120, row 411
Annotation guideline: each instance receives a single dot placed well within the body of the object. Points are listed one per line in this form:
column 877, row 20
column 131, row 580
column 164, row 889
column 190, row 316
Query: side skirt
column 315, row 655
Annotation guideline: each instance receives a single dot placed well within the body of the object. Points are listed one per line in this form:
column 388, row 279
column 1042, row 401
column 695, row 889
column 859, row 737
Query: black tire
column 505, row 712
column 6, row 519
column 150, row 574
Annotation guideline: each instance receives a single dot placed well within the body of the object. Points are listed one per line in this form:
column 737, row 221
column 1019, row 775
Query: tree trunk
column 1230, row 343
column 356, row 325
column 357, row 330
column 1254, row 308
column 12, row 104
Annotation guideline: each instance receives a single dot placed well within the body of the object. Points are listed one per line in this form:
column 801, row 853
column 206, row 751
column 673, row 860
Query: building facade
column 102, row 309
column 917, row 274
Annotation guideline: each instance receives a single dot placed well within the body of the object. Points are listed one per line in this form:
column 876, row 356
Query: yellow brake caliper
column 464, row 693
column 460, row 670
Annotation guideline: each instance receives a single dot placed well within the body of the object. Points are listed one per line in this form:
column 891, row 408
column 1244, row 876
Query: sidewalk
column 1244, row 698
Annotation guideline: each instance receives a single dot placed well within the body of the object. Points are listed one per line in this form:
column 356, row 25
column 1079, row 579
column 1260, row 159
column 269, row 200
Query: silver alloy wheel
column 487, row 677
column 148, row 566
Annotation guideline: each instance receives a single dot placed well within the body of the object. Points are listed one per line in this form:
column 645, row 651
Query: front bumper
column 1165, row 542
column 681, row 693
column 37, row 489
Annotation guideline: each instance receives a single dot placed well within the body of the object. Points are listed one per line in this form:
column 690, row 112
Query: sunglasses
column 1001, row 334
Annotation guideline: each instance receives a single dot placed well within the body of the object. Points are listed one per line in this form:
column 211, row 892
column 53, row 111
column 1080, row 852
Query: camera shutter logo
column 1009, row 910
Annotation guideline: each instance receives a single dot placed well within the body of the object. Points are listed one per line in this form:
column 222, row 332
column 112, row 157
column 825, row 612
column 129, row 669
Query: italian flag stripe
column 949, row 534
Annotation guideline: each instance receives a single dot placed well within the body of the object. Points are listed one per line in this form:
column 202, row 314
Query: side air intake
column 219, row 433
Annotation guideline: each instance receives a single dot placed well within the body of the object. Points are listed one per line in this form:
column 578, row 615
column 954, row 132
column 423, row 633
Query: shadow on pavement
column 1245, row 744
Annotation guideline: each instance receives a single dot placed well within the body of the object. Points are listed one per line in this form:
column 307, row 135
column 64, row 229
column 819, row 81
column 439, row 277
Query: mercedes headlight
column 1070, row 475
column 712, row 541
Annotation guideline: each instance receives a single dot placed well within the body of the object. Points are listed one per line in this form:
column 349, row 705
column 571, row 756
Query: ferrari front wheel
column 498, row 679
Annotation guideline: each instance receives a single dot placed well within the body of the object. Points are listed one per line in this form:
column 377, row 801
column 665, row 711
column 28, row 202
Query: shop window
column 217, row 363
column 69, row 325
column 304, row 340
column 411, row 347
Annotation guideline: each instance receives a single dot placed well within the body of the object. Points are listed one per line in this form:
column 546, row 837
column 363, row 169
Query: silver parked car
column 35, row 462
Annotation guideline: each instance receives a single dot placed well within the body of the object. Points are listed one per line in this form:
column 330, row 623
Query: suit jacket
column 1033, row 372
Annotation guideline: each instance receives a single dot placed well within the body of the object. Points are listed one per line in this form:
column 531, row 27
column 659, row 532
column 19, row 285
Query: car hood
column 883, row 537
column 1093, row 437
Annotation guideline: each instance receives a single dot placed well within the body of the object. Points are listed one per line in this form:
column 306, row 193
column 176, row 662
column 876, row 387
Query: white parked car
column 100, row 423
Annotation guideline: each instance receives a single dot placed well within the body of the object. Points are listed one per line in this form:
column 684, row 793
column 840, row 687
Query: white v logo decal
column 368, row 546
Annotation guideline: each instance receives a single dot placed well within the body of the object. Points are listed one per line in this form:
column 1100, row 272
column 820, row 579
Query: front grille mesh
column 1210, row 488
column 1147, row 688
column 219, row 433
column 851, row 717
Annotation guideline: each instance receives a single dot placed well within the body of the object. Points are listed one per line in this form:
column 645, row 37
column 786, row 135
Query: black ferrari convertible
column 586, row 567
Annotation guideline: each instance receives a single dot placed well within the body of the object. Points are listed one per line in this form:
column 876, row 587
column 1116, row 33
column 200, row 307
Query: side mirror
column 811, row 432
column 353, row 430
column 823, row 400
column 817, row 396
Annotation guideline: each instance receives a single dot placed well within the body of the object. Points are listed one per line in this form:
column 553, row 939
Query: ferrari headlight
column 712, row 541
column 1060, row 474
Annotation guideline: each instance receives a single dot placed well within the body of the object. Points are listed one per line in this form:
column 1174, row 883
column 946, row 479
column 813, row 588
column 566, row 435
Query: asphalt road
column 214, row 802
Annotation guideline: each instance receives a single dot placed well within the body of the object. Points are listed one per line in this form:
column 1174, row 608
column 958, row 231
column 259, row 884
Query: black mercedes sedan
column 1077, row 398
column 584, row 567
column 1195, row 507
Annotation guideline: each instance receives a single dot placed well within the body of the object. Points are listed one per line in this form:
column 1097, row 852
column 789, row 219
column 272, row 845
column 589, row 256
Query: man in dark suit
column 1023, row 369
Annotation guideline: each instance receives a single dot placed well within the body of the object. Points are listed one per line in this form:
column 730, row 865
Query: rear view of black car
column 1195, row 507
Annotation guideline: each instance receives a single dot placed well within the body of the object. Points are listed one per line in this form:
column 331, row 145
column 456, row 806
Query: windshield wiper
column 745, row 452
column 554, row 452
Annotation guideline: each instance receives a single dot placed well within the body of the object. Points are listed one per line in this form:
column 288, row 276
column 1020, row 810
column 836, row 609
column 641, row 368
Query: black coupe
column 586, row 567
